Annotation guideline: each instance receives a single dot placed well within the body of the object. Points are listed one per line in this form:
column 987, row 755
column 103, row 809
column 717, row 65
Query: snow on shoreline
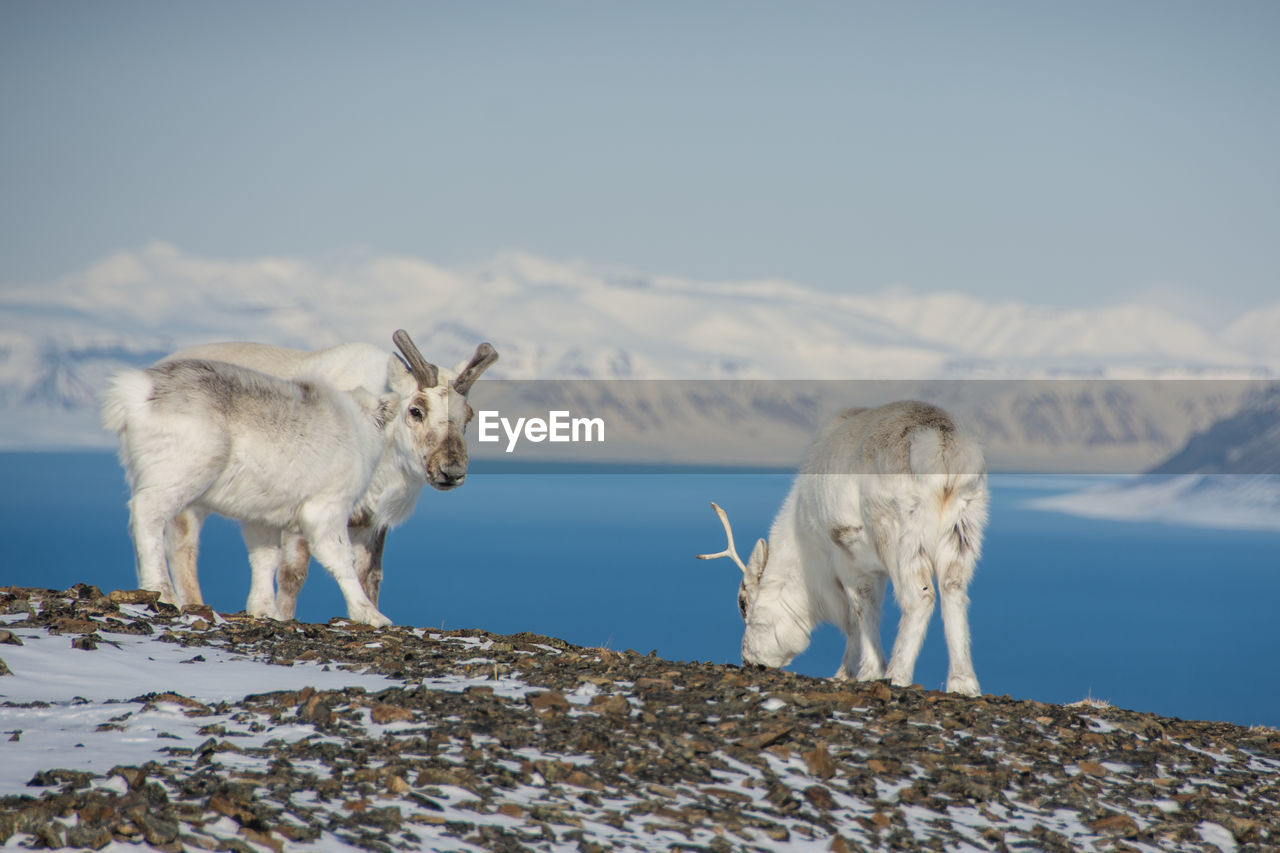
column 1226, row 501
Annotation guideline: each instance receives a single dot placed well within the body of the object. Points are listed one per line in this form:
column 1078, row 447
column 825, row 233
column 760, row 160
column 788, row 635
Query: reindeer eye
column 416, row 413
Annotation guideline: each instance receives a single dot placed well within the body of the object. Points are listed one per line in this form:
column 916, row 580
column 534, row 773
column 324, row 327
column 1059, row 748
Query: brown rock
column 383, row 714
column 156, row 831
column 842, row 699
column 820, row 763
column 549, row 700
column 1116, row 824
column 134, row 596
column 266, row 839
column 9, row 638
column 839, row 845
column 96, row 812
column 316, row 710
column 87, row 642
column 1091, row 768
column 438, row 776
column 614, row 705
column 782, row 750
column 179, row 699
column 133, row 776
column 224, row 806
column 776, row 831
column 428, row 819
column 820, row 797
column 69, row 625
column 766, row 738
column 581, row 779
column 89, row 837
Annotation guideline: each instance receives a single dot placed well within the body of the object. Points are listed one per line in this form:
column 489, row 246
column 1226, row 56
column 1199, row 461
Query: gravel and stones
column 528, row 743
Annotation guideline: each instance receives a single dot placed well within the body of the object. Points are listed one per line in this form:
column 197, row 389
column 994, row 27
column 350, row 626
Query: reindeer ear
column 388, row 405
column 399, row 376
column 380, row 409
column 759, row 557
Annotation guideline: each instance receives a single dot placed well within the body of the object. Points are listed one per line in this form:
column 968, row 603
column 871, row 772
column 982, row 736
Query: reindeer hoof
column 368, row 616
column 264, row 610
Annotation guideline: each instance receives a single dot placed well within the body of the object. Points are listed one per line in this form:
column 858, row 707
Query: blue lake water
column 1176, row 620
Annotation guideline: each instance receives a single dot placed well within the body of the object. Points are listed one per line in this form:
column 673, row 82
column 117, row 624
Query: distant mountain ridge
column 1225, row 476
column 551, row 320
column 1247, row 442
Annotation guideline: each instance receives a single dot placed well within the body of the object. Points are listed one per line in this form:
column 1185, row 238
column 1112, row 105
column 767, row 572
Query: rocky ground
column 527, row 743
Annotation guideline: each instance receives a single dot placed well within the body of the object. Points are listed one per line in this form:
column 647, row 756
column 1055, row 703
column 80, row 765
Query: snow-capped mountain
column 551, row 320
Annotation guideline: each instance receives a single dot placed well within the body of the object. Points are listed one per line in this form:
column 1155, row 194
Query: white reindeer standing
column 441, row 414
column 279, row 455
column 892, row 493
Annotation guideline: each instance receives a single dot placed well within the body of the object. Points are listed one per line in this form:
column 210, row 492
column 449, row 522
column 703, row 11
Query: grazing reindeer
column 892, row 493
column 439, row 412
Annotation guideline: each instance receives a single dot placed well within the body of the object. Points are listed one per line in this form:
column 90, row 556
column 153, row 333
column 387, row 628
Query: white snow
column 1228, row 501
column 81, row 710
column 87, row 689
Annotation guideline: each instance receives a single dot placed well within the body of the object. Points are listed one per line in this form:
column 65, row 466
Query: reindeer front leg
column 369, row 543
column 330, row 542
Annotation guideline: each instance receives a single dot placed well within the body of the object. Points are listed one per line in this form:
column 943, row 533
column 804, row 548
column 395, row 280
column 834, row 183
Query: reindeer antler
column 730, row 552
column 485, row 356
column 427, row 374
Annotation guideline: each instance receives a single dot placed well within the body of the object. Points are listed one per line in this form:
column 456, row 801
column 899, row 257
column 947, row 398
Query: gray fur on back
column 879, row 440
column 231, row 392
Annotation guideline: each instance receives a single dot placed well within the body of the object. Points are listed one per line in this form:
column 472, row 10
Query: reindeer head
column 774, row 633
column 751, row 572
column 433, row 410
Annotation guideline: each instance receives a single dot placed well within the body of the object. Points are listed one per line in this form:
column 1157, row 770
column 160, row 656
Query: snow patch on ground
column 81, row 708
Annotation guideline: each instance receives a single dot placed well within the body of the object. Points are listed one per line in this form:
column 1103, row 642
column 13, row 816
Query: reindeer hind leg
column 295, row 558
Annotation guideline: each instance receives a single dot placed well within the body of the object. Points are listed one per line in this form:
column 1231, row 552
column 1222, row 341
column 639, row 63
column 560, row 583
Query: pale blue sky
column 1066, row 153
